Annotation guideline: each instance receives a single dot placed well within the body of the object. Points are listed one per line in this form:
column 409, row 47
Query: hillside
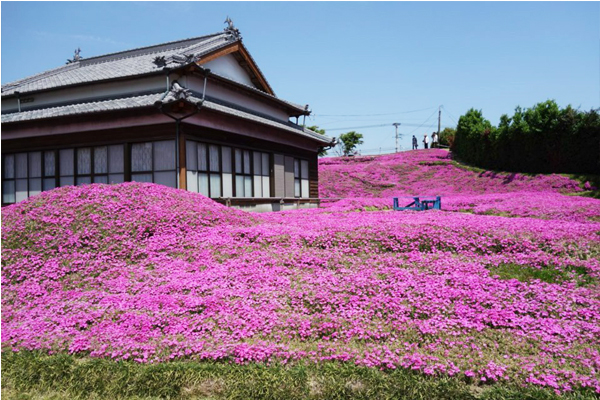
column 425, row 172
column 371, row 182
column 142, row 273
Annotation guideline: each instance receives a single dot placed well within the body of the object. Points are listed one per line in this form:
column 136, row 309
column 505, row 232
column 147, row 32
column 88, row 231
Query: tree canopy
column 349, row 141
column 315, row 128
column 541, row 139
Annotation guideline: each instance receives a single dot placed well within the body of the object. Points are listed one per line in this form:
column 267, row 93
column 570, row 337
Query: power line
column 423, row 124
column 381, row 125
column 371, row 115
column 364, row 121
column 450, row 115
column 377, row 149
column 359, row 127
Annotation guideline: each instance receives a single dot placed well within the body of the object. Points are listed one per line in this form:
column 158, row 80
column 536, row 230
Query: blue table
column 420, row 204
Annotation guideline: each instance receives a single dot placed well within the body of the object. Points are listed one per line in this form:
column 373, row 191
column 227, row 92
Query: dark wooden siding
column 94, row 138
column 313, row 176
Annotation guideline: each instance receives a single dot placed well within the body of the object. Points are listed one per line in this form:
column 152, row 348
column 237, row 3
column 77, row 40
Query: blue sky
column 352, row 62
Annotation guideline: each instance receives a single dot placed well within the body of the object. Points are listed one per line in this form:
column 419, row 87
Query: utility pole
column 439, row 120
column 396, row 124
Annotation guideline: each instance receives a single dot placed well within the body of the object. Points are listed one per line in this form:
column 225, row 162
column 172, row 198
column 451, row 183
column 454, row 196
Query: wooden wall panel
column 182, row 163
column 313, row 176
column 289, row 176
column 279, row 175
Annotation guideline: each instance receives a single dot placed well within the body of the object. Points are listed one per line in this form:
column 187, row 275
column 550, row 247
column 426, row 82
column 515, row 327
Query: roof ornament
column 232, row 30
column 160, row 61
column 178, row 92
column 229, row 23
column 183, row 58
column 76, row 56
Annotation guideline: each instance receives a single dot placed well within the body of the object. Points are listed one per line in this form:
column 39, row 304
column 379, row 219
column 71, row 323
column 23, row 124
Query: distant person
column 415, row 144
column 434, row 140
column 425, row 141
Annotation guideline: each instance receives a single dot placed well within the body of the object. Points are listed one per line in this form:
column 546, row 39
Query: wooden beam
column 219, row 53
column 182, row 162
column 241, row 54
column 255, row 70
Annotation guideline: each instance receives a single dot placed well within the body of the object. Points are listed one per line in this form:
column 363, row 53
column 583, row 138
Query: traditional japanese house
column 195, row 114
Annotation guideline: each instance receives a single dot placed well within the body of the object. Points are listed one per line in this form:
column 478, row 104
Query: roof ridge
column 193, row 46
column 141, row 49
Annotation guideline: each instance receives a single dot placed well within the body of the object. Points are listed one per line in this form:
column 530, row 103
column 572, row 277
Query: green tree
column 540, row 139
column 447, row 137
column 349, row 141
column 315, row 128
column 472, row 140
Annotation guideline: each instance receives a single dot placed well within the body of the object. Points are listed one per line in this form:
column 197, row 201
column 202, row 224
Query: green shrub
column 540, row 139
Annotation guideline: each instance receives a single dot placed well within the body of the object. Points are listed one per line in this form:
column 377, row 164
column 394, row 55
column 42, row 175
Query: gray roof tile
column 148, row 101
column 115, row 65
column 81, row 108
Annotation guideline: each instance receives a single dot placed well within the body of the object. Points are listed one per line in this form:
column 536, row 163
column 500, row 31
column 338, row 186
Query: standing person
column 425, row 141
column 415, row 144
column 434, row 140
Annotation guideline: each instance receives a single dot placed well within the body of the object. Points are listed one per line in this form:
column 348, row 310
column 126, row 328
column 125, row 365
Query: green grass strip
column 34, row 375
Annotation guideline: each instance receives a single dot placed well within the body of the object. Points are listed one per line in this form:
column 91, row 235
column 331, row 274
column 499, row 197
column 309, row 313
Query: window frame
column 13, row 179
column 208, row 171
column 299, row 178
column 77, row 175
column 262, row 174
column 153, row 170
column 55, row 178
column 43, row 176
column 244, row 174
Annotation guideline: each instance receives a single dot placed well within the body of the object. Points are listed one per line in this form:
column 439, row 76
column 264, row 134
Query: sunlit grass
column 32, row 375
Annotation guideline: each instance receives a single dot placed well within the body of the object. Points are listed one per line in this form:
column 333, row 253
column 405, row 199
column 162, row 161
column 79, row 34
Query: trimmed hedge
column 540, row 139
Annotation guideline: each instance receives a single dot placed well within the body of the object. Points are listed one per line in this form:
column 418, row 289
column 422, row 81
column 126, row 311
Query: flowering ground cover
column 426, row 172
column 370, row 182
column 147, row 274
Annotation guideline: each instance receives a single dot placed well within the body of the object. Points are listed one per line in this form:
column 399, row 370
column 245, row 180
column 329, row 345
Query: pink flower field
column 373, row 181
column 502, row 285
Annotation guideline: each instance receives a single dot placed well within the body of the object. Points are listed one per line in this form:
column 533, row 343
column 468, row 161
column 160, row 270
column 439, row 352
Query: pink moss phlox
column 147, row 273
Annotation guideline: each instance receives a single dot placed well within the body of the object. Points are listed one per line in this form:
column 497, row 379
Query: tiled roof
column 149, row 101
column 118, row 65
column 81, row 108
column 130, row 63
column 265, row 94
column 260, row 119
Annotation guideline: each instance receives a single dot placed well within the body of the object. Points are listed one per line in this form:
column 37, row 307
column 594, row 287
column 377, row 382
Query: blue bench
column 420, row 204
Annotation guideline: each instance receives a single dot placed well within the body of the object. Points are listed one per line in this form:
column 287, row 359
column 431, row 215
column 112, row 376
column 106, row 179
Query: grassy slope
column 28, row 375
